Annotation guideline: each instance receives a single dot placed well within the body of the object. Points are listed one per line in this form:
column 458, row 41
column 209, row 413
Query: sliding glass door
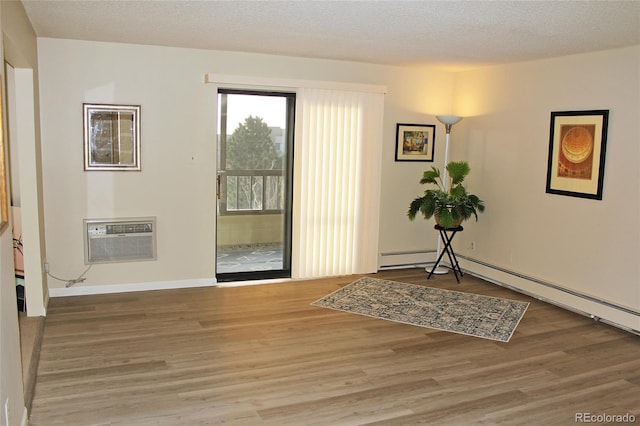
column 254, row 184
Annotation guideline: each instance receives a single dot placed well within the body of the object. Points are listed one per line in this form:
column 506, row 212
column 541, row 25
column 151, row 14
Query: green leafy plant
column 452, row 206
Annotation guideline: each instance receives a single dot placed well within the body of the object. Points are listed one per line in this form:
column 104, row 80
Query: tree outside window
column 251, row 148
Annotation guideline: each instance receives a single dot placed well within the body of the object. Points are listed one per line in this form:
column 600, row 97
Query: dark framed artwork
column 415, row 142
column 577, row 146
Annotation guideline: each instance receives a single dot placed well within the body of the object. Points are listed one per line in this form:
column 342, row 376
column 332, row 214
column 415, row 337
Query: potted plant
column 450, row 204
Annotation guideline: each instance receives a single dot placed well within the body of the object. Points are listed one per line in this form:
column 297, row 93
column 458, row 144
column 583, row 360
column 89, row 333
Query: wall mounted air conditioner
column 119, row 240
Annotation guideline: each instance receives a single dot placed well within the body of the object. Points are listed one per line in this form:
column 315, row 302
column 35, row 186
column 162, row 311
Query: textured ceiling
column 450, row 34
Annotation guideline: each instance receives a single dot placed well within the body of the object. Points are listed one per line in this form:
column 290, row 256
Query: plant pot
column 455, row 224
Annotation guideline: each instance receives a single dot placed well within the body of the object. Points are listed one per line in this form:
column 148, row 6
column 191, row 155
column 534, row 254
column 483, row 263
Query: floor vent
column 119, row 240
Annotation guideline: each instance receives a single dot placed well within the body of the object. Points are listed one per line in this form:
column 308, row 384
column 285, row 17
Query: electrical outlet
column 472, row 246
column 46, row 267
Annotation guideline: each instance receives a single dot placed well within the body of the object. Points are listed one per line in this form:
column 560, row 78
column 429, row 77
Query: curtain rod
column 225, row 80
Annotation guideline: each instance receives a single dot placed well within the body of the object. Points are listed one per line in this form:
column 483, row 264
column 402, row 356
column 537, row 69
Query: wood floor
column 31, row 330
column 261, row 355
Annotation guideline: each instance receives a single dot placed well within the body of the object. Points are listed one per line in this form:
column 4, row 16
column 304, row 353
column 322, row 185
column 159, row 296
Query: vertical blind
column 336, row 182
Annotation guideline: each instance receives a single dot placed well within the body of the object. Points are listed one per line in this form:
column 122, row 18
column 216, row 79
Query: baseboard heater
column 130, row 239
column 574, row 293
column 405, row 263
column 531, row 279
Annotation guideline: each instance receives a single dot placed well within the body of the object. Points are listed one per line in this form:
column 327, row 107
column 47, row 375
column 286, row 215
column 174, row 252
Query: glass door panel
column 255, row 137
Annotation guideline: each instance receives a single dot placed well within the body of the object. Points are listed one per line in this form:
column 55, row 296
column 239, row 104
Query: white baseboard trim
column 254, row 282
column 84, row 290
column 25, row 417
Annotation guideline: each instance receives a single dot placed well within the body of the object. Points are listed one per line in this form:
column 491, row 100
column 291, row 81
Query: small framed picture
column 577, row 143
column 415, row 142
column 111, row 137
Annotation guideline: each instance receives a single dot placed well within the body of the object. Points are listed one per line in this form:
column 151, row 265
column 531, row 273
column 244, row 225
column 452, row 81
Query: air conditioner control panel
column 96, row 230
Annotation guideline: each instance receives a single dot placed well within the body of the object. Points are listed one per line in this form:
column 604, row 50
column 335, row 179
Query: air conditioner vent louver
column 119, row 240
column 130, row 228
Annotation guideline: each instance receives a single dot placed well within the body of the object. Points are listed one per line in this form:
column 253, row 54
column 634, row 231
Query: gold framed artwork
column 4, row 196
column 111, row 137
column 577, row 146
column 415, row 142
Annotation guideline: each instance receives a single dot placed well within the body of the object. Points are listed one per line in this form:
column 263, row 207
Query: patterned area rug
column 465, row 313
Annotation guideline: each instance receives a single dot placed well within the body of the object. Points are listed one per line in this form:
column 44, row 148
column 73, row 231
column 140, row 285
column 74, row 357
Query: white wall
column 178, row 165
column 559, row 240
column 584, row 245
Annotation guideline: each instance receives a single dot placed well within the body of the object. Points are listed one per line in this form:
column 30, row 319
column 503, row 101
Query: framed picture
column 415, row 142
column 577, row 143
column 4, row 197
column 111, row 137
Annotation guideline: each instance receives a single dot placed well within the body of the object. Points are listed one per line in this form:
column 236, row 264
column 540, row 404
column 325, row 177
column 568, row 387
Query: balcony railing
column 251, row 191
